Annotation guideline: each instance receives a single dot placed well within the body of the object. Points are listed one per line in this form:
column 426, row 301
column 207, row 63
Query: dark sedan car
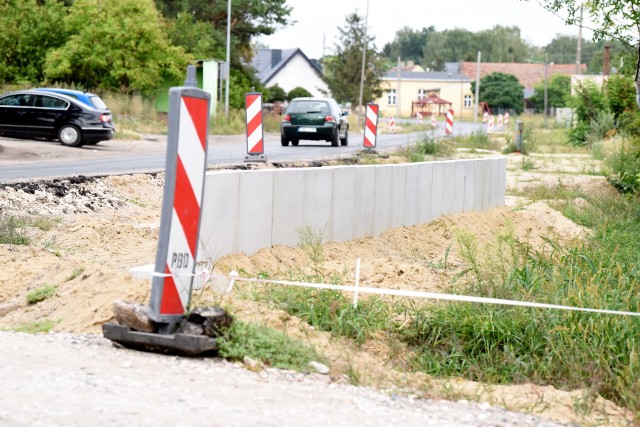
column 318, row 119
column 35, row 114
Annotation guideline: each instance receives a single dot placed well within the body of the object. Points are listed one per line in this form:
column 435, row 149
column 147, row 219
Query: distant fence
column 245, row 211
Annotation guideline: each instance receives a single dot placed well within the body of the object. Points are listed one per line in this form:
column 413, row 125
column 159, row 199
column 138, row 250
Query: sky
column 315, row 20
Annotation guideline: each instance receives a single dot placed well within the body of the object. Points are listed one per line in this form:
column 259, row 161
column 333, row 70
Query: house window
column 467, row 101
column 422, row 94
column 391, row 97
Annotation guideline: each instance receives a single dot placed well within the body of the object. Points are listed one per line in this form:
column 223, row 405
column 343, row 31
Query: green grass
column 13, row 229
column 77, row 272
column 40, row 327
column 44, row 292
column 272, row 347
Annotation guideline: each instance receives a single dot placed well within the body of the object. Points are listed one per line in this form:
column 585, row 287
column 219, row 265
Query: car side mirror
column 345, row 113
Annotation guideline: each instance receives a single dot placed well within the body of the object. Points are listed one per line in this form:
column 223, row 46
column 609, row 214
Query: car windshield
column 309, row 107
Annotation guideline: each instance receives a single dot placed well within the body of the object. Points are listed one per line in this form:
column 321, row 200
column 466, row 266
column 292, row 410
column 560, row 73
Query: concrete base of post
column 255, row 158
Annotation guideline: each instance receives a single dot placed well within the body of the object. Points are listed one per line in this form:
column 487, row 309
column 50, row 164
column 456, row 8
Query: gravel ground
column 84, row 380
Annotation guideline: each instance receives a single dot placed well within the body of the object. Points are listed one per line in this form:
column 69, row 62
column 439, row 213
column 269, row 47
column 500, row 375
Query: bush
column 623, row 167
column 298, row 92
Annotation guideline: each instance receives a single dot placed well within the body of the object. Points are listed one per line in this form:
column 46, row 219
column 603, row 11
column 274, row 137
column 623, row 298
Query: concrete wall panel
column 382, row 200
column 364, row 200
column 437, row 190
column 255, row 211
column 219, row 215
column 244, row 211
column 288, row 209
column 470, row 185
column 318, row 198
column 398, row 195
column 343, row 209
column 459, row 186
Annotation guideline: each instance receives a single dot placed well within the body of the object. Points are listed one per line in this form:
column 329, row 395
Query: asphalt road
column 108, row 158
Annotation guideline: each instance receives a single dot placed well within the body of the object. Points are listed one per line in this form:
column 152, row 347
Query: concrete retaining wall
column 245, row 211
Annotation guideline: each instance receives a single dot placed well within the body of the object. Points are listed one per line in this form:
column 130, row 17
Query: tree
column 558, row 92
column 249, row 18
column 501, row 91
column 124, row 47
column 344, row 68
column 29, row 29
column 297, row 92
column 408, row 44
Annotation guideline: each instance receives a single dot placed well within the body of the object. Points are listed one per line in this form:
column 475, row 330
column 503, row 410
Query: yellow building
column 428, row 92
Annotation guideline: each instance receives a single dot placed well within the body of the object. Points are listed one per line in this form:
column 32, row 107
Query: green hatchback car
column 316, row 119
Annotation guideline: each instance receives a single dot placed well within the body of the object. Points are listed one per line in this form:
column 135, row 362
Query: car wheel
column 295, row 142
column 284, row 141
column 334, row 138
column 345, row 140
column 70, row 136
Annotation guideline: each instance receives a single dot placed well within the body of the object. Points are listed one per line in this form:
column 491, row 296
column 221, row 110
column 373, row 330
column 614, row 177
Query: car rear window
column 309, row 107
column 98, row 103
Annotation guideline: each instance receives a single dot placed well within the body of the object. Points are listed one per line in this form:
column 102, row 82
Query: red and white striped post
column 186, row 166
column 419, row 117
column 499, row 121
column 485, row 117
column 490, row 124
column 371, row 126
column 434, row 121
column 448, row 130
column 255, row 131
column 392, row 124
column 506, row 118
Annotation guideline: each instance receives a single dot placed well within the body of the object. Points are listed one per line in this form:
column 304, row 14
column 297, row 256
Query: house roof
column 425, row 75
column 527, row 74
column 268, row 62
column 433, row 99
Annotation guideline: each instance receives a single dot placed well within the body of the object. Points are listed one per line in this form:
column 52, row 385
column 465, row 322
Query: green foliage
column 501, row 91
column 297, row 92
column 272, row 347
column 249, row 18
column 12, row 230
column 240, row 83
column 30, row 28
column 629, row 123
column 197, row 38
column 587, row 102
column 312, row 243
column 621, row 95
column 623, row 167
column 40, row 327
column 565, row 349
column 40, row 294
column 125, row 47
column 558, row 92
column 433, row 49
column 343, row 70
column 274, row 93
column 332, row 311
column 427, row 144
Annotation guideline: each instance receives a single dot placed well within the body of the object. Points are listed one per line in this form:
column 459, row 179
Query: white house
column 289, row 68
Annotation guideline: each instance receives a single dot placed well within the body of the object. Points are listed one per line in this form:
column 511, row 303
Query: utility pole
column 546, row 73
column 477, row 94
column 398, row 91
column 226, row 92
column 364, row 55
column 579, row 46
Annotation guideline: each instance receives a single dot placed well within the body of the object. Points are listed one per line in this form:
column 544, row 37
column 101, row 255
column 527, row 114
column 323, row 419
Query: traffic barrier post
column 371, row 126
column 254, row 128
column 448, row 130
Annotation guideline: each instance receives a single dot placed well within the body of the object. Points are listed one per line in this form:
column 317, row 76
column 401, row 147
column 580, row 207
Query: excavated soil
column 102, row 227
